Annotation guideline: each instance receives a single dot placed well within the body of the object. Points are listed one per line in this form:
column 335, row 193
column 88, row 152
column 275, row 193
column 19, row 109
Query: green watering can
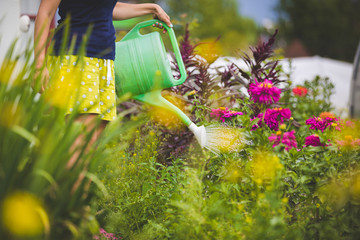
column 142, row 69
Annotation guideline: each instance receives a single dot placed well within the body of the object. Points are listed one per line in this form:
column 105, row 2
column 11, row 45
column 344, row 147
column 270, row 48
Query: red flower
column 300, row 91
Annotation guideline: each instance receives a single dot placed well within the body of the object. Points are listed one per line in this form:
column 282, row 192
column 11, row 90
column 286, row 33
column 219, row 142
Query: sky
column 259, row 10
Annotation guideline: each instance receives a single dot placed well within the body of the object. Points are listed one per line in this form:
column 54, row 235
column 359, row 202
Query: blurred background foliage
column 213, row 19
column 329, row 28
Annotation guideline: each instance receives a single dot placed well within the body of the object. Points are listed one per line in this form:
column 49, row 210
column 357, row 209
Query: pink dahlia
column 288, row 139
column 264, row 92
column 274, row 117
column 313, row 140
column 223, row 112
column 322, row 123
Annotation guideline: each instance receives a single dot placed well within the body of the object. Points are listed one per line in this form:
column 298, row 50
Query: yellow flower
column 8, row 70
column 193, row 92
column 285, row 200
column 11, row 114
column 164, row 116
column 23, row 215
column 355, row 190
column 209, row 49
column 233, row 173
column 248, row 220
column 317, row 205
column 282, row 126
column 265, row 166
column 333, row 193
column 278, row 133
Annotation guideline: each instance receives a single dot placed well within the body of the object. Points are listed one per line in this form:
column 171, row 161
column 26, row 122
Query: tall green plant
column 40, row 196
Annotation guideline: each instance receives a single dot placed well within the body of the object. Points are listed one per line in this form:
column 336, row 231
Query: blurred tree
column 215, row 18
column 330, row 28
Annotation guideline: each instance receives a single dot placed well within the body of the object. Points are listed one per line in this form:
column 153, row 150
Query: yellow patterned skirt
column 83, row 85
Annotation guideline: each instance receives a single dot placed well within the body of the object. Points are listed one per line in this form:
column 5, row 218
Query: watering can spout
column 200, row 134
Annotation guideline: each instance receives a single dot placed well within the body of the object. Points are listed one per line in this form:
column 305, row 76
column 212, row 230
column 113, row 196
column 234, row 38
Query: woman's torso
column 85, row 13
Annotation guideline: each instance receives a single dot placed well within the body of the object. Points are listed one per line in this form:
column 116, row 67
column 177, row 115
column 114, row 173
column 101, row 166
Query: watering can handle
column 174, row 45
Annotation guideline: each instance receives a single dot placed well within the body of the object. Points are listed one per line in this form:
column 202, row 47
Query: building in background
column 17, row 23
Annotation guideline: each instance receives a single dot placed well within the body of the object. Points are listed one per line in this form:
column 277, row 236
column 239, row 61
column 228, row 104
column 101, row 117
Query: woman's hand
column 160, row 14
column 43, row 74
column 128, row 10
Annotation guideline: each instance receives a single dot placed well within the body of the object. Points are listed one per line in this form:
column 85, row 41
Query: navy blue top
column 83, row 13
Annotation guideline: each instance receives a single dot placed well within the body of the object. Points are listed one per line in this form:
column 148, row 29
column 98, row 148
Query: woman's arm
column 44, row 17
column 126, row 10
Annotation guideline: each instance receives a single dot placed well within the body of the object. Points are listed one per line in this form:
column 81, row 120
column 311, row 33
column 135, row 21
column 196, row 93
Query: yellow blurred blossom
column 333, row 193
column 233, row 173
column 209, row 49
column 264, row 166
column 248, row 220
column 193, row 92
column 282, row 126
column 278, row 133
column 9, row 72
column 355, row 190
column 23, row 215
column 12, row 114
column 164, row 116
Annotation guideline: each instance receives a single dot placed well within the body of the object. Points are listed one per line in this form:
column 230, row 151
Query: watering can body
column 142, row 69
column 141, row 62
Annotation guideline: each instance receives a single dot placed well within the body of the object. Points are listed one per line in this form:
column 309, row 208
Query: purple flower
column 318, row 123
column 264, row 92
column 273, row 118
column 107, row 235
column 313, row 140
column 288, row 139
column 223, row 112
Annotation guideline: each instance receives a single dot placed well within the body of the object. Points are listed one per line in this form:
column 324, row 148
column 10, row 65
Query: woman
column 92, row 82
